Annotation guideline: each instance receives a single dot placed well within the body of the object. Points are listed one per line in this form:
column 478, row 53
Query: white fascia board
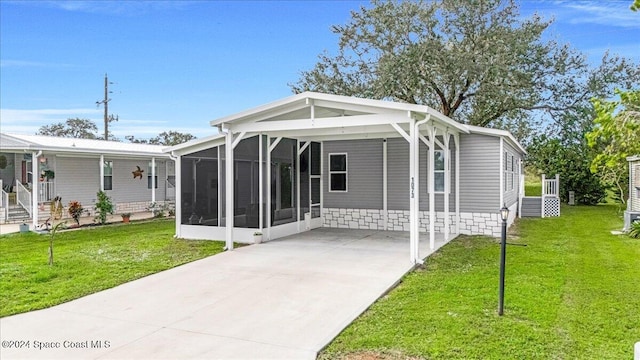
column 195, row 145
column 261, row 109
column 499, row 133
column 311, row 125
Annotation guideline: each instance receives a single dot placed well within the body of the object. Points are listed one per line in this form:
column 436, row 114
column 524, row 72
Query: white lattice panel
column 551, row 206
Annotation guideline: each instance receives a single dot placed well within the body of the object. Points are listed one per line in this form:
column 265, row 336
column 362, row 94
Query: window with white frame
column 338, row 172
column 513, row 172
column 108, row 175
column 438, row 170
column 149, row 172
column 505, row 171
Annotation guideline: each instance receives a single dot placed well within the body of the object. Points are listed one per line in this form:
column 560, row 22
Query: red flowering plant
column 75, row 210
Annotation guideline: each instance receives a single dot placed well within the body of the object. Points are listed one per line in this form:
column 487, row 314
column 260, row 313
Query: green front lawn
column 572, row 293
column 87, row 261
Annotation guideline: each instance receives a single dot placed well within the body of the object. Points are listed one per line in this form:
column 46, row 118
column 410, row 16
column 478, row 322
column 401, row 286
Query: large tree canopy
column 72, row 128
column 476, row 61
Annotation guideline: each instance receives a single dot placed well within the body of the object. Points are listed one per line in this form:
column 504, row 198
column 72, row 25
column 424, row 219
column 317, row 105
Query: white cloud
column 132, row 8
column 609, row 13
column 29, row 122
column 44, row 116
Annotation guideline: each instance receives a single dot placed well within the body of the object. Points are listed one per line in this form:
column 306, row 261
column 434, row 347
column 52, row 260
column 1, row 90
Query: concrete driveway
column 285, row 299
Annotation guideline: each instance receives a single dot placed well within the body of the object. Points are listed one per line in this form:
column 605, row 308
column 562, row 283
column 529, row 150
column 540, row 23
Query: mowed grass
column 572, row 293
column 87, row 261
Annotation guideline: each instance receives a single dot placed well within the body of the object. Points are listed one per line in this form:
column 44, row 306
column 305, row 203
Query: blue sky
column 178, row 65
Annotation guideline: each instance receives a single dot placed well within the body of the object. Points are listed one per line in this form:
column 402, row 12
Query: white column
column 413, row 187
column 297, row 175
column 178, row 175
column 447, row 185
column 384, row 184
column 268, row 207
column 101, row 172
column 456, row 140
column 219, row 185
column 260, row 183
column 35, row 188
column 431, row 181
column 502, row 169
column 153, row 179
column 229, row 199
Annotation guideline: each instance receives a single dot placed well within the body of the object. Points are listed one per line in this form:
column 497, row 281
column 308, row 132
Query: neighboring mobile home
column 318, row 160
column 132, row 175
column 633, row 206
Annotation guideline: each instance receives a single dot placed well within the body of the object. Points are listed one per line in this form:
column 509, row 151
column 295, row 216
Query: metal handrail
column 23, row 197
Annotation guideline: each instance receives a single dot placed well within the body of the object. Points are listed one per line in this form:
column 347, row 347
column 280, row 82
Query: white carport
column 320, row 117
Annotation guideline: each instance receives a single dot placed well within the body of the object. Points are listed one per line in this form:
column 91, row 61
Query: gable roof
column 18, row 142
column 316, row 116
column 329, row 105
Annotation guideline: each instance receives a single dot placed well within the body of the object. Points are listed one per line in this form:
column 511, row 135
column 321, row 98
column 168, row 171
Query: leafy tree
column 72, row 128
column 476, row 61
column 164, row 138
column 615, row 136
column 570, row 159
column 636, row 5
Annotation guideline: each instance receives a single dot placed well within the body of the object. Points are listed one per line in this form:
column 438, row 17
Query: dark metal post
column 503, row 253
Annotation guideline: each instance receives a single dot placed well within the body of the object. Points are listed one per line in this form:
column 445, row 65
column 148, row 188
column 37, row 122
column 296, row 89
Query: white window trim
column 149, row 172
column 110, row 175
column 443, row 171
column 345, row 172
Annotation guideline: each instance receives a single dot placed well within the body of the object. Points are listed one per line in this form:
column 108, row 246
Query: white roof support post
column 153, row 179
column 268, row 209
column 260, row 182
column 229, row 185
column 413, row 190
column 447, row 184
column 219, row 185
column 35, row 188
column 431, row 180
column 297, row 174
column 385, row 214
column 178, row 177
column 456, row 140
column 101, row 165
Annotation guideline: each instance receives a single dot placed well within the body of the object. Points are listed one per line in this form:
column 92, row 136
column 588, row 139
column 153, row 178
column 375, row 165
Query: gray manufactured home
column 75, row 169
column 318, row 160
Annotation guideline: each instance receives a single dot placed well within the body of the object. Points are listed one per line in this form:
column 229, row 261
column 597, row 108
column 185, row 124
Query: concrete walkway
column 285, row 299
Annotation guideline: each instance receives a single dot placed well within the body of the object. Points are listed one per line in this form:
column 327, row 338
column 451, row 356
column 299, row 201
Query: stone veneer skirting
column 398, row 220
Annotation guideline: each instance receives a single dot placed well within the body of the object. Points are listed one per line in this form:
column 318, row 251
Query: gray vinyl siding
column 397, row 174
column 79, row 179
column 364, row 174
column 511, row 196
column 479, row 173
column 128, row 189
column 634, row 181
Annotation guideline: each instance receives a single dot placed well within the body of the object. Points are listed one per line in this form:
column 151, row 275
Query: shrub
column 634, row 231
column 104, row 206
column 75, row 210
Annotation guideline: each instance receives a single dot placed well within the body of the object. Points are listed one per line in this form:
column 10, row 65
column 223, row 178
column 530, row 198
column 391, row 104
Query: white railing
column 551, row 187
column 23, row 197
column 46, row 191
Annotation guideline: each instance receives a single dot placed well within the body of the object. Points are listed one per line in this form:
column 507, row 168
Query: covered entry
column 271, row 168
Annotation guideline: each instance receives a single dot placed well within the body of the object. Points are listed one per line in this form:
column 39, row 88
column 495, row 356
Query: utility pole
column 107, row 118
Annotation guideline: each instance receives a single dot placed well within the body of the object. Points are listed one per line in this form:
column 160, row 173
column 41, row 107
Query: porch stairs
column 17, row 214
